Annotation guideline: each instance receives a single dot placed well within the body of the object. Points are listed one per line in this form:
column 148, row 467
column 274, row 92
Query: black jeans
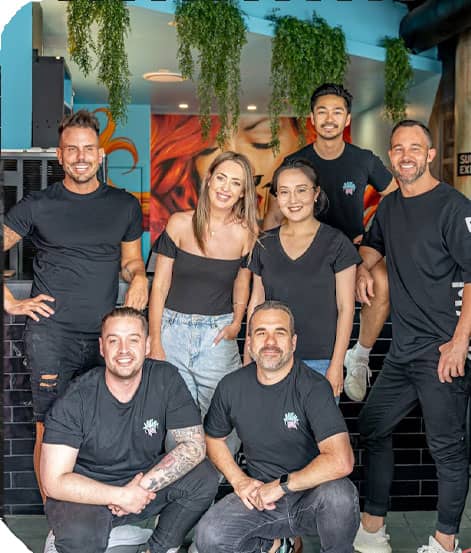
column 398, row 388
column 330, row 511
column 82, row 528
column 54, row 358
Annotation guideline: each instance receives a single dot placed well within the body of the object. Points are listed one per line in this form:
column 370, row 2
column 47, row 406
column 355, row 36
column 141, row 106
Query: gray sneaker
column 358, row 374
column 128, row 535
column 119, row 536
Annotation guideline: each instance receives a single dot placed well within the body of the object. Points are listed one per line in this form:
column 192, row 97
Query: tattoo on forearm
column 190, row 451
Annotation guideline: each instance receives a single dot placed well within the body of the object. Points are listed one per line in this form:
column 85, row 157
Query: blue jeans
column 329, row 510
column 320, row 366
column 188, row 344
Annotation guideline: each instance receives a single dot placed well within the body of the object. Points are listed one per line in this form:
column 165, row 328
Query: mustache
column 271, row 349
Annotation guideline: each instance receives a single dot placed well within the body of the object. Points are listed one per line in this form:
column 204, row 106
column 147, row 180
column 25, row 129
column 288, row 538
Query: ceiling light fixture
column 252, row 107
column 183, row 106
column 163, row 76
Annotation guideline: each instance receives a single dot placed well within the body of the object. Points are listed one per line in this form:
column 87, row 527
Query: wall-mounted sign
column 464, row 164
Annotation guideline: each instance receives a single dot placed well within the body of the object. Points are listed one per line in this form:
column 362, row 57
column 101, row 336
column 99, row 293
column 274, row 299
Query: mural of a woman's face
column 253, row 139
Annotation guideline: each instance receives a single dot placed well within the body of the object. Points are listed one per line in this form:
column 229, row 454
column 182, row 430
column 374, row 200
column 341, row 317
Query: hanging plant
column 305, row 54
column 216, row 30
column 109, row 49
column 398, row 76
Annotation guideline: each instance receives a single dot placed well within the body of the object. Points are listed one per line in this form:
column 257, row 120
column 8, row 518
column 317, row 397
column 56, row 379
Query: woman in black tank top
column 201, row 285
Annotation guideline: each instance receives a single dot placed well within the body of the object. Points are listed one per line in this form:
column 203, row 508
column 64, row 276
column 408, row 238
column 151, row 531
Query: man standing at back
column 344, row 171
column 424, row 229
column 84, row 232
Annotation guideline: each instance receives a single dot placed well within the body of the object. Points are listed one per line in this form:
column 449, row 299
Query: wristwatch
column 284, row 482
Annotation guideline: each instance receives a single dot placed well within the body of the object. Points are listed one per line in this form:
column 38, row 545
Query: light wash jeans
column 330, row 511
column 320, row 366
column 188, row 344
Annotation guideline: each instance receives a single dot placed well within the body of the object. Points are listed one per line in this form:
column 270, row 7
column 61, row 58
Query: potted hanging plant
column 215, row 31
column 398, row 76
column 305, row 54
column 106, row 52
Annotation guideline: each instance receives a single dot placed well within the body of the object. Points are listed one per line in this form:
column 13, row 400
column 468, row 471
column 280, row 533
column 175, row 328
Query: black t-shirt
column 200, row 285
column 118, row 440
column 344, row 180
column 279, row 425
column 427, row 241
column 306, row 284
column 78, row 241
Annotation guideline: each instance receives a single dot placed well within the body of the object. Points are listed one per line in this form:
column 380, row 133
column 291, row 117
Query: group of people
column 128, row 440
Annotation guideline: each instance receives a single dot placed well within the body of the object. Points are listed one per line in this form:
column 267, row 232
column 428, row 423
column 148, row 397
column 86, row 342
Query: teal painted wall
column 16, row 60
column 137, row 130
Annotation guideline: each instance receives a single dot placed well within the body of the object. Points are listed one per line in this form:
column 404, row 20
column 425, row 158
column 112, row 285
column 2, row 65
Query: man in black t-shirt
column 104, row 463
column 84, row 233
column 424, row 229
column 296, row 445
column 344, row 171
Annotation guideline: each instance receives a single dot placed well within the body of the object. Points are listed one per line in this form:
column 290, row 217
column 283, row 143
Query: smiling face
column 296, row 195
column 124, row 345
column 226, row 185
column 271, row 342
column 410, row 154
column 330, row 116
column 80, row 155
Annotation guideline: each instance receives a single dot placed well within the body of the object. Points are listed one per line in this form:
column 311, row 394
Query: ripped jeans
column 54, row 358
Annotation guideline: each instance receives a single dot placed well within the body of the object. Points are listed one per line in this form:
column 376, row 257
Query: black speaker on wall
column 48, row 99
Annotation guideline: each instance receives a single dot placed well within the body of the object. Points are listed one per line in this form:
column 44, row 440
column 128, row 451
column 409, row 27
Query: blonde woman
column 201, row 286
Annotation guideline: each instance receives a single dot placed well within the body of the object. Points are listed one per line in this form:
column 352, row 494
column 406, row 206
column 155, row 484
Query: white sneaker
column 372, row 542
column 434, row 547
column 50, row 544
column 358, row 373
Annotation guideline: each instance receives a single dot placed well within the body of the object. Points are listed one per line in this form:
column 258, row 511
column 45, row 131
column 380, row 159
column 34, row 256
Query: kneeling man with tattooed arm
column 104, row 463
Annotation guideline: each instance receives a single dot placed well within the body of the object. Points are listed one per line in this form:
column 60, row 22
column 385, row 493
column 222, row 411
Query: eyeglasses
column 302, row 193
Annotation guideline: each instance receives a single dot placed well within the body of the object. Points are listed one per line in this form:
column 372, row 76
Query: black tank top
column 200, row 285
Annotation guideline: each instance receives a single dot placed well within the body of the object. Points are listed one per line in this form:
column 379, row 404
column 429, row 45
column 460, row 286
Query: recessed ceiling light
column 183, row 106
column 163, row 76
column 252, row 107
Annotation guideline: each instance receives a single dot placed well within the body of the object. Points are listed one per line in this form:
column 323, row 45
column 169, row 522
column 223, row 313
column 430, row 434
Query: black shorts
column 54, row 357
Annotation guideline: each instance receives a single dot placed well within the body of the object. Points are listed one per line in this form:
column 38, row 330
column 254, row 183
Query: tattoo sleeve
column 189, row 452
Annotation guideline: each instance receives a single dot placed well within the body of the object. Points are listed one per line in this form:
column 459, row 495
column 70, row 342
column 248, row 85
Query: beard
column 271, row 362
column 412, row 177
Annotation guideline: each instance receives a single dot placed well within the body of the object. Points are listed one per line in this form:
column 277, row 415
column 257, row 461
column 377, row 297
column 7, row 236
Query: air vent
column 55, row 172
column 10, row 164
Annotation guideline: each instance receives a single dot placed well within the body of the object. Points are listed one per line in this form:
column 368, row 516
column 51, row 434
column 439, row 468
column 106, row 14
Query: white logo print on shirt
column 291, row 420
column 150, row 427
column 467, row 220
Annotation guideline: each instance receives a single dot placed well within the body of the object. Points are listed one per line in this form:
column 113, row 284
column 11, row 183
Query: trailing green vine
column 109, row 49
column 305, row 54
column 217, row 31
column 398, row 76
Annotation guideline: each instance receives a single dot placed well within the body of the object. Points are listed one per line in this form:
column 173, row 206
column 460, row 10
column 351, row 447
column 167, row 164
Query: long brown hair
column 244, row 211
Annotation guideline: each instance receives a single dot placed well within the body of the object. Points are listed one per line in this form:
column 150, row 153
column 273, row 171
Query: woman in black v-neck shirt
column 201, row 285
column 311, row 267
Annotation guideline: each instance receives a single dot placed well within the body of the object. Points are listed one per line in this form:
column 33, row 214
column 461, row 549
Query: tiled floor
column 407, row 530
